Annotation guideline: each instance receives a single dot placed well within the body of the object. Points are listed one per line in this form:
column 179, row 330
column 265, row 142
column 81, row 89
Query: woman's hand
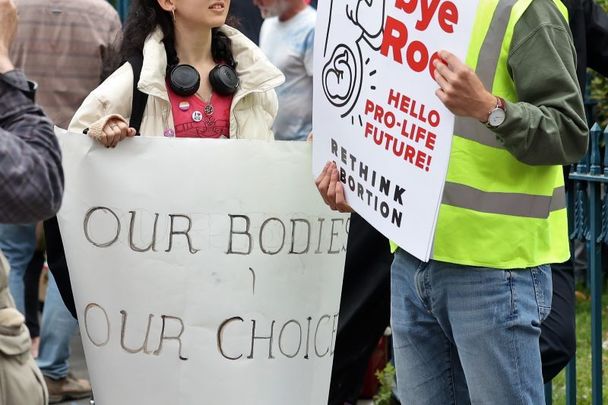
column 331, row 188
column 113, row 131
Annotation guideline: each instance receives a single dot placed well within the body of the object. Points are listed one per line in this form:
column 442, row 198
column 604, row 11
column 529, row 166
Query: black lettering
column 185, row 233
column 331, row 240
column 178, row 337
column 86, row 324
column 231, row 250
column 293, row 236
column 269, row 338
column 317, row 335
column 291, row 356
column 123, row 328
column 264, row 224
column 87, row 218
column 152, row 245
column 220, row 337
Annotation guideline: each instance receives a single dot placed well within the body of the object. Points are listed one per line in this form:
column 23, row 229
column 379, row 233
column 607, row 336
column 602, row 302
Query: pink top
column 193, row 118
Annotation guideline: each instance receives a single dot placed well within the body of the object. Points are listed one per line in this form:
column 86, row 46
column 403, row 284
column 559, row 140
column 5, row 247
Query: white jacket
column 254, row 106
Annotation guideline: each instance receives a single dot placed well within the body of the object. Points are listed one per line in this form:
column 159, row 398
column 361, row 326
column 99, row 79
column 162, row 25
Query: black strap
column 138, row 106
column 54, row 245
column 55, row 257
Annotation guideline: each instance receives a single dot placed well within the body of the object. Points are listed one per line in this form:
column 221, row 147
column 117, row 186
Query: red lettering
column 378, row 113
column 393, row 98
column 378, row 136
column 420, row 160
column 407, row 6
column 447, row 16
column 412, row 110
column 410, row 152
column 389, row 139
column 389, row 120
column 395, row 36
column 368, row 129
column 420, row 134
column 428, row 11
column 432, row 64
column 419, row 63
column 369, row 106
column 430, row 140
column 434, row 118
column 405, row 104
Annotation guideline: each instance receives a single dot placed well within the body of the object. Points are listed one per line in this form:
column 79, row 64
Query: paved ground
column 79, row 368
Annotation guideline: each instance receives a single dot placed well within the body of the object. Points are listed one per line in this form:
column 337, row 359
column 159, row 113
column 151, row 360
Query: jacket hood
column 255, row 71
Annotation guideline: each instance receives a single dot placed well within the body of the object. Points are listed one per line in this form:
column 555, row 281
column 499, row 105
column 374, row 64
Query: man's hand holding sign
column 386, row 135
column 331, row 189
column 460, row 90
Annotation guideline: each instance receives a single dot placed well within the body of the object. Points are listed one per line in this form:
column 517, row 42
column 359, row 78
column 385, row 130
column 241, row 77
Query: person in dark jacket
column 248, row 17
column 589, row 26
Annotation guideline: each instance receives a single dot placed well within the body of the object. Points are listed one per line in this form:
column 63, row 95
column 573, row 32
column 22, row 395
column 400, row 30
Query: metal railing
column 588, row 223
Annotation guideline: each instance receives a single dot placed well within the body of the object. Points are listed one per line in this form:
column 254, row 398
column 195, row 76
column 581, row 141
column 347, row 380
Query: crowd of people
column 496, row 301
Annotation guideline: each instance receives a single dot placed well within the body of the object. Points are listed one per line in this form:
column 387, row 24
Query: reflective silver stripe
column 489, row 54
column 558, row 201
column 470, row 128
column 515, row 204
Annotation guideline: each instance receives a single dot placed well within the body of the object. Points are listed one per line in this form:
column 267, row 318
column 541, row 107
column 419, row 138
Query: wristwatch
column 498, row 114
column 16, row 79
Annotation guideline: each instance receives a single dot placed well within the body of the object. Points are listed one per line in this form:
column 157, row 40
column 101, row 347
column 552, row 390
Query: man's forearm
column 547, row 126
column 31, row 176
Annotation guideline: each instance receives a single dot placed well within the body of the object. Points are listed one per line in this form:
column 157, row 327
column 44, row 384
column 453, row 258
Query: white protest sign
column 204, row 271
column 375, row 110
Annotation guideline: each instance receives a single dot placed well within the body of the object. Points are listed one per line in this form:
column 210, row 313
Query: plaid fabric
column 31, row 177
column 64, row 46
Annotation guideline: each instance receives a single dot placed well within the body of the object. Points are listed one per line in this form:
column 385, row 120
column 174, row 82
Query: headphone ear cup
column 184, row 80
column 224, row 80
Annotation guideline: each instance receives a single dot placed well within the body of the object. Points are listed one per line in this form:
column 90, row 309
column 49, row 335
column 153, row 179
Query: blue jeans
column 57, row 329
column 466, row 334
column 18, row 243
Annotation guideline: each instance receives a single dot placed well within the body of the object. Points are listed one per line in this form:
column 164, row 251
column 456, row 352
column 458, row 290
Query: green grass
column 583, row 356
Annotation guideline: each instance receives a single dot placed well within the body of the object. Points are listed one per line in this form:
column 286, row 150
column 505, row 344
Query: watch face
column 497, row 117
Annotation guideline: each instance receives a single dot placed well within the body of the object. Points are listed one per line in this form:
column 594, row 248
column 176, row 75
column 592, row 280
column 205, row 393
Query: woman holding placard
column 188, row 75
column 197, row 77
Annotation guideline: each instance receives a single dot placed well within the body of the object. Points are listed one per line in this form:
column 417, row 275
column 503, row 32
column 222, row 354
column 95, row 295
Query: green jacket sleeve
column 547, row 126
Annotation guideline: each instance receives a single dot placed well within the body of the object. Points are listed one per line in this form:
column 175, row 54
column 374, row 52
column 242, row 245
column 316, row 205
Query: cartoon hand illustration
column 369, row 16
column 339, row 75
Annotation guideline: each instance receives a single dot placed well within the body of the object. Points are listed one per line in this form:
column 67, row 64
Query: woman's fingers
column 113, row 132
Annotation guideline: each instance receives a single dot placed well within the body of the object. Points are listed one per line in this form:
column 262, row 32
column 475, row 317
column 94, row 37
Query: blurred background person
column 63, row 45
column 248, row 17
column 31, row 186
column 287, row 38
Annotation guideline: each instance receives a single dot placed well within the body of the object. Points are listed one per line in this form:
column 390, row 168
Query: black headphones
column 185, row 80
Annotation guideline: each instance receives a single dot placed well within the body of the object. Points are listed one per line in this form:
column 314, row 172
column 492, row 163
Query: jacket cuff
column 95, row 131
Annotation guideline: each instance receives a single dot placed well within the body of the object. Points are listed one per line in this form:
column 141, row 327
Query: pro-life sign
column 204, row 271
column 375, row 110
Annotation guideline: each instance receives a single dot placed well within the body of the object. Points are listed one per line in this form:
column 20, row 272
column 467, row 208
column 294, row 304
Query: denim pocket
column 543, row 289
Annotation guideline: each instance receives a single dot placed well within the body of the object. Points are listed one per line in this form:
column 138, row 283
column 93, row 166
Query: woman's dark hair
column 145, row 15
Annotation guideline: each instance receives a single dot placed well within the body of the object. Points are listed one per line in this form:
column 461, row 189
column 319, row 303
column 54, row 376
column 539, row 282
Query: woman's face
column 210, row 13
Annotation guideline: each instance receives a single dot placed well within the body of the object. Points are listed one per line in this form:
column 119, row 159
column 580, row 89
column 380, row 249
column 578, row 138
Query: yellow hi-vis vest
column 497, row 211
